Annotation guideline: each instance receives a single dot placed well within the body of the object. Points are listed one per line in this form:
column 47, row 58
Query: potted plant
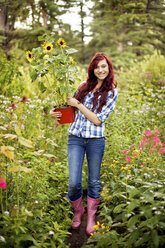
column 54, row 70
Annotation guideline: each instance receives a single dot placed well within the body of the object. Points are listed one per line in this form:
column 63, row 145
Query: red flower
column 24, row 99
column 51, row 160
column 13, row 106
column 3, row 184
column 125, row 151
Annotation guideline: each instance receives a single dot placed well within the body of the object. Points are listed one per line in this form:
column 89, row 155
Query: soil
column 79, row 237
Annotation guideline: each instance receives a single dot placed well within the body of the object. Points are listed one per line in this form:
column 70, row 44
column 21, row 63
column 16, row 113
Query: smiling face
column 102, row 70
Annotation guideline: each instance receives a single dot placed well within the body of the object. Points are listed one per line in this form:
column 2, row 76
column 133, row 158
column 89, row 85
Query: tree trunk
column 148, row 6
column 45, row 18
column 4, row 26
column 82, row 32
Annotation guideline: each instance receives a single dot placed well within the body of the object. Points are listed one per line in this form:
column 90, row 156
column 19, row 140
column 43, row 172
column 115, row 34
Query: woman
column 94, row 99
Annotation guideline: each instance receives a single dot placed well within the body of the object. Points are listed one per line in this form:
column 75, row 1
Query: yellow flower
column 124, row 168
column 113, row 166
column 102, row 164
column 102, row 226
column 48, row 47
column 44, row 44
column 29, row 56
column 72, row 61
column 61, row 42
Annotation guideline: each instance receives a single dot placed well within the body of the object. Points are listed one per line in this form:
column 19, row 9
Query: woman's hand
column 57, row 115
column 72, row 101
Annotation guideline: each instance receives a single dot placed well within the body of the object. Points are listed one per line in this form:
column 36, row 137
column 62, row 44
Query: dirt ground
column 79, row 237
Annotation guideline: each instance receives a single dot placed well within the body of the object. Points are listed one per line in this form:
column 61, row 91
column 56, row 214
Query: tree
column 126, row 30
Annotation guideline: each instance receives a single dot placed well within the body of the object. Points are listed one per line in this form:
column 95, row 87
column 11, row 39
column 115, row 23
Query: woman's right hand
column 57, row 115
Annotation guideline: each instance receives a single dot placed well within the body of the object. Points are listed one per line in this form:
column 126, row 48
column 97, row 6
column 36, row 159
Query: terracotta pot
column 68, row 114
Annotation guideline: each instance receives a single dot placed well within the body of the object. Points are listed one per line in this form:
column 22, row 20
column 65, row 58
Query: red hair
column 108, row 84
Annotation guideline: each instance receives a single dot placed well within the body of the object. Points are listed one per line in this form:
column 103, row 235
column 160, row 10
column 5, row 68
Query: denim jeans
column 94, row 150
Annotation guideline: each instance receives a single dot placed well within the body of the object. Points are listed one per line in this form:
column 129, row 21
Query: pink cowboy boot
column 78, row 213
column 91, row 209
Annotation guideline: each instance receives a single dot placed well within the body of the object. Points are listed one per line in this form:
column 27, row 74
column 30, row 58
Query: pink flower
column 125, row 151
column 142, row 144
column 144, row 139
column 150, row 150
column 148, row 133
column 143, row 164
column 3, row 184
column 163, row 145
column 161, row 151
column 157, row 132
column 157, row 140
column 128, row 159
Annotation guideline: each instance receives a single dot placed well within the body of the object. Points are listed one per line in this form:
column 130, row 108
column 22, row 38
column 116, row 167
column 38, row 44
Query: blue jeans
column 94, row 150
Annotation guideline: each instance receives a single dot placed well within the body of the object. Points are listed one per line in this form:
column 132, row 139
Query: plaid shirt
column 82, row 127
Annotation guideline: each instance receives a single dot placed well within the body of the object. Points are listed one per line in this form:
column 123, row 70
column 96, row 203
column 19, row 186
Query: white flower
column 6, row 212
column 2, row 239
column 51, row 232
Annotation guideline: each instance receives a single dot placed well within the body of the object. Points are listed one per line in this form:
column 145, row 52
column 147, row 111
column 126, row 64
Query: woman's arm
column 91, row 116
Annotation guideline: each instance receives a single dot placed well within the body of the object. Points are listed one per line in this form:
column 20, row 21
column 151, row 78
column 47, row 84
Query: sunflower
column 48, row 47
column 29, row 56
column 61, row 42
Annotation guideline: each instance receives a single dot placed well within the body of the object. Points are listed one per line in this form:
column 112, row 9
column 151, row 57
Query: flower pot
column 68, row 114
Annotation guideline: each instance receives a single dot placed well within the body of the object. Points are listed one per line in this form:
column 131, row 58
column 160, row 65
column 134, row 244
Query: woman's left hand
column 72, row 101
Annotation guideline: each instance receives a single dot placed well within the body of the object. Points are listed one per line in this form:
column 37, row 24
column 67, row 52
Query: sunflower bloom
column 48, row 47
column 29, row 56
column 61, row 42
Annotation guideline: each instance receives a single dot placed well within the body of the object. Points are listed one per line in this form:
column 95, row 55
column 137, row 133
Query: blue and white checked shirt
column 82, row 127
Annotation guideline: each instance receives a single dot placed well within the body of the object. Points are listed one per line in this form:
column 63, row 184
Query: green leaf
column 39, row 67
column 20, row 168
column 133, row 192
column 119, row 208
column 10, row 136
column 33, row 75
column 155, row 238
column 71, row 50
column 132, row 221
column 71, row 79
column 25, row 142
column 133, row 237
column 42, row 86
column 7, row 151
column 41, row 38
column 132, row 205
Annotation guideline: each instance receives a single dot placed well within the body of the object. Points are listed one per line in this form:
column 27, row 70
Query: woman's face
column 102, row 70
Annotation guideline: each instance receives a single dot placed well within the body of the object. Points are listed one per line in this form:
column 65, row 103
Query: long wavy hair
column 108, row 84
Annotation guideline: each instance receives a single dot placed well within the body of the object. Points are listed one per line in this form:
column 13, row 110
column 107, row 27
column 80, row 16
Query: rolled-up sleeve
column 108, row 107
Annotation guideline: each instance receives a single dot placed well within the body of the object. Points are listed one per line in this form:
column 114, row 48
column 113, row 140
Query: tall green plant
column 54, row 68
